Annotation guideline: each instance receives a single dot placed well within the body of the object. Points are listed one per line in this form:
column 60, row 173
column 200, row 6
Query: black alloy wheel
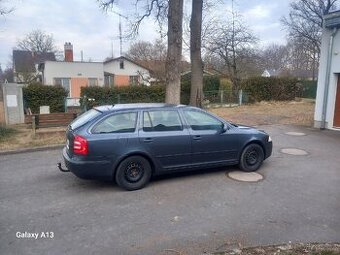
column 251, row 158
column 133, row 173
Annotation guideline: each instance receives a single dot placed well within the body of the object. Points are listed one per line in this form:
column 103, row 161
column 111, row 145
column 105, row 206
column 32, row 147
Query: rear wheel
column 251, row 158
column 133, row 173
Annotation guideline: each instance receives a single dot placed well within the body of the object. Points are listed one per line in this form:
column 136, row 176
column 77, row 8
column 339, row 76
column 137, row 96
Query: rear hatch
column 75, row 125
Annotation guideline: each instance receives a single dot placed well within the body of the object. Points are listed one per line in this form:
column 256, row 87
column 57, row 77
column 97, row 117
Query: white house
column 73, row 75
column 123, row 72
column 327, row 108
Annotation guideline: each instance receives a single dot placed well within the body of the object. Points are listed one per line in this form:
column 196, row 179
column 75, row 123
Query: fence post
column 33, row 126
column 118, row 98
column 221, row 95
column 240, row 97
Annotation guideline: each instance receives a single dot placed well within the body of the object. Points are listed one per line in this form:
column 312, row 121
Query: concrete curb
column 25, row 150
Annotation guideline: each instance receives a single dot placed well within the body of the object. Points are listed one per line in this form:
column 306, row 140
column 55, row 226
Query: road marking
column 294, row 151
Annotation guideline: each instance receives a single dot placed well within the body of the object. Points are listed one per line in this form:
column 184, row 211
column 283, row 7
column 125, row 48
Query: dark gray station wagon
column 129, row 143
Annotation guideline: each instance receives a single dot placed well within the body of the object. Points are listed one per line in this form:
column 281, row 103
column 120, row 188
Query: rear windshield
column 84, row 118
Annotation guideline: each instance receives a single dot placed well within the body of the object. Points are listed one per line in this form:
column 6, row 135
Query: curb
column 34, row 149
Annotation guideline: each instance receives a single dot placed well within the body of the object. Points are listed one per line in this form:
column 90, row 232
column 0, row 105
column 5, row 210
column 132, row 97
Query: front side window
column 161, row 121
column 202, row 121
column 117, row 123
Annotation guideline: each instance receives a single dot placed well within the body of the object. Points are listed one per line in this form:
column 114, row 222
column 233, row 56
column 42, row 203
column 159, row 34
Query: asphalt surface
column 298, row 201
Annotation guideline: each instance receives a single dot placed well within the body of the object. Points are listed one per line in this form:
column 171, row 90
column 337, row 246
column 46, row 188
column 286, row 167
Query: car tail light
column 80, row 145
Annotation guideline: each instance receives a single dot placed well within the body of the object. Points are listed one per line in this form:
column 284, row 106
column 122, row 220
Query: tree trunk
column 196, row 94
column 174, row 53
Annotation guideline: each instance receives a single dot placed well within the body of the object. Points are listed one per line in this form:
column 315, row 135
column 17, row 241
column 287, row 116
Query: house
column 270, row 73
column 123, row 71
column 327, row 107
column 25, row 64
column 72, row 75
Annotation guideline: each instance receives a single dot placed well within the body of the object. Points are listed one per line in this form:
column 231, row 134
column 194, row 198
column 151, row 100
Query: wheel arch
column 253, row 141
column 135, row 153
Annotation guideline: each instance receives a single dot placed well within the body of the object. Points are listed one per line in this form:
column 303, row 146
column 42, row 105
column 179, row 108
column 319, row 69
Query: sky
column 94, row 31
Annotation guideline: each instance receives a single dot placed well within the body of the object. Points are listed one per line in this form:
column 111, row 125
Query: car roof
column 105, row 108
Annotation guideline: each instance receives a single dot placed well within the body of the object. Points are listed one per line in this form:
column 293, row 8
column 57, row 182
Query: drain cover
column 295, row 133
column 245, row 176
column 294, row 151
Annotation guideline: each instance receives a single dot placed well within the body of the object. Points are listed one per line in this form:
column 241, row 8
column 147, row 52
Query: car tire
column 133, row 173
column 251, row 158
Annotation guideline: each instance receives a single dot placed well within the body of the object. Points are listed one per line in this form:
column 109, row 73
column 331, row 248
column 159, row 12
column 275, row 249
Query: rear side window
column 117, row 123
column 161, row 121
column 84, row 118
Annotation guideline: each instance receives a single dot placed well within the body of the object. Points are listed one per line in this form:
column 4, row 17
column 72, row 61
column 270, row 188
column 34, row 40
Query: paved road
column 299, row 200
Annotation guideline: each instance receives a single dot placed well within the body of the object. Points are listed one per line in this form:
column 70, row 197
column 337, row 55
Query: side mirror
column 224, row 128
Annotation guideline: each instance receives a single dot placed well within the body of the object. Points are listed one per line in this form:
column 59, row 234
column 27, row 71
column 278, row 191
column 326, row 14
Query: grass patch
column 6, row 133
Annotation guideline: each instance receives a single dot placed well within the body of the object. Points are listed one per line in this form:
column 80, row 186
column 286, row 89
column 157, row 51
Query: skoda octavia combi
column 129, row 143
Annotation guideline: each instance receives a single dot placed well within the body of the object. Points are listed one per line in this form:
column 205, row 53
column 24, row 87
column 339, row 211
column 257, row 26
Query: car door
column 114, row 135
column 211, row 144
column 165, row 138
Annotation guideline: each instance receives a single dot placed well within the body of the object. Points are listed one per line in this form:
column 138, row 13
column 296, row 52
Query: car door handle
column 148, row 140
column 197, row 137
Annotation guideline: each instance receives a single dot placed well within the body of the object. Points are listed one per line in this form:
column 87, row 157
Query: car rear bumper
column 101, row 170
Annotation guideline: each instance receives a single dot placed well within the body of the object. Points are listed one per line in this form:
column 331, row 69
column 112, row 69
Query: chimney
column 68, row 51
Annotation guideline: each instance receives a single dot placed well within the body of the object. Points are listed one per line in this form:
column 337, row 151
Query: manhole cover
column 244, row 176
column 294, row 151
column 295, row 133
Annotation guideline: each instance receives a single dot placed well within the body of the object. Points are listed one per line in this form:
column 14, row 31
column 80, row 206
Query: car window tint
column 84, row 118
column 202, row 121
column 117, row 123
column 161, row 121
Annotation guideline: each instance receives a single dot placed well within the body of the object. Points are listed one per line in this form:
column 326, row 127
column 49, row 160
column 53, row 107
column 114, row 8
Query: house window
column 108, row 81
column 93, row 82
column 134, row 80
column 121, row 64
column 65, row 83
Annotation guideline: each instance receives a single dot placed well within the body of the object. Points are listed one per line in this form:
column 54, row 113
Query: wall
column 335, row 70
column 59, row 69
column 130, row 69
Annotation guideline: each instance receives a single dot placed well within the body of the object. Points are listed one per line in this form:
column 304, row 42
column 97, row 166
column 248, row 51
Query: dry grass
column 267, row 113
column 23, row 138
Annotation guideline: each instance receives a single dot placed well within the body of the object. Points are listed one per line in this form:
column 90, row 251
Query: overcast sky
column 90, row 30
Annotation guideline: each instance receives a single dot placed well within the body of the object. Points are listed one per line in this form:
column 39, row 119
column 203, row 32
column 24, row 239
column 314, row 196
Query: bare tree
column 5, row 10
column 275, row 57
column 160, row 9
column 143, row 50
column 151, row 56
column 306, row 19
column 231, row 40
column 196, row 94
column 37, row 41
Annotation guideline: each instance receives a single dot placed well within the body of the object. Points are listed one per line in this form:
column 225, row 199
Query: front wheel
column 251, row 158
column 133, row 173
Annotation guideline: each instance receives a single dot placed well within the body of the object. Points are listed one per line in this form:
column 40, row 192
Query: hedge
column 309, row 89
column 271, row 88
column 141, row 94
column 36, row 95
